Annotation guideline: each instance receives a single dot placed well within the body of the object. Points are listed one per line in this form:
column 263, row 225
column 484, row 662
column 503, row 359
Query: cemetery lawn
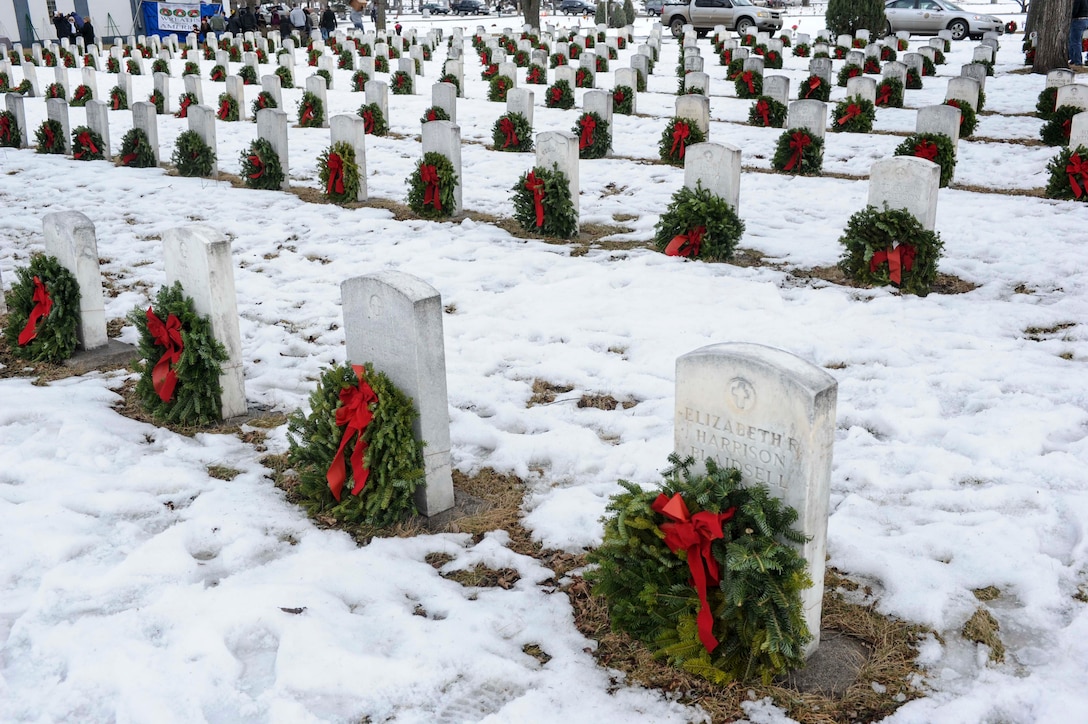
column 151, row 575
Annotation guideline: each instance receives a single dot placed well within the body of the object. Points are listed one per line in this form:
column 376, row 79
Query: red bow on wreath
column 258, row 166
column 5, row 129
column 168, row 336
column 885, row 95
column 536, row 186
column 261, row 102
column 307, row 115
column 580, row 78
column 49, row 137
column 336, row 174
column 353, row 415
column 116, row 101
column 686, row 244
column 43, row 304
column 86, row 144
column 431, row 194
column 368, row 121
column 694, row 534
column 507, row 128
column 1067, row 127
column 1077, row 167
column 557, row 95
column 224, row 110
column 927, row 150
column 852, row 111
column 183, row 112
column 747, row 79
column 799, row 141
column 813, row 84
column 727, row 57
column 588, row 126
column 618, row 97
column 80, row 92
column 900, row 258
column 764, row 111
column 680, row 133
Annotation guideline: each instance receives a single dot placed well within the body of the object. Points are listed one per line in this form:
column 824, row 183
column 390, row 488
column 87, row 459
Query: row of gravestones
column 762, row 410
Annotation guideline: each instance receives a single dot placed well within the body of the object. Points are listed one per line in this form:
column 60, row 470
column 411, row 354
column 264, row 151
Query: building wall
column 13, row 22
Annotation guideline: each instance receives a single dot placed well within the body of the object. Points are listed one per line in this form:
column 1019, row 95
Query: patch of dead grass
column 943, row 284
column 604, row 402
column 544, row 392
column 223, row 472
column 982, row 628
column 483, row 577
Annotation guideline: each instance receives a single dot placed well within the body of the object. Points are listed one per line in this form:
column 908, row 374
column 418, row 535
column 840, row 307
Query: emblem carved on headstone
column 742, row 392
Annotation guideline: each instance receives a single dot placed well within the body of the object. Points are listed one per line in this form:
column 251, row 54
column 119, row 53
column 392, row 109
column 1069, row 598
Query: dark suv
column 469, row 7
column 576, row 7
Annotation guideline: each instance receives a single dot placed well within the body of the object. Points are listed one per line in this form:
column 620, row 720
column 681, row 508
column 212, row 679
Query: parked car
column 469, row 7
column 435, row 8
column 704, row 15
column 576, row 7
column 928, row 17
column 653, row 7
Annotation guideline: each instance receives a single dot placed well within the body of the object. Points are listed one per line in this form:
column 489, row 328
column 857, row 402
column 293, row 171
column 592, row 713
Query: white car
column 928, row 17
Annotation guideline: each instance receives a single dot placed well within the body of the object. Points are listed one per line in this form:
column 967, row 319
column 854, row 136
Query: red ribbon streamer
column 618, row 97
column 694, row 534
column 353, row 415
column 336, row 174
column 885, row 95
column 258, row 167
column 431, row 194
column 5, row 129
column 927, row 150
column 43, row 304
column 764, row 111
column 183, row 112
column 507, row 128
column 852, row 112
column 588, row 126
column 307, row 115
column 368, row 121
column 167, row 335
column 116, row 101
column 85, row 142
column 680, row 133
column 536, row 186
column 899, row 258
column 557, row 95
column 798, row 142
column 748, row 81
column 813, row 84
column 686, row 244
column 224, row 110
column 1077, row 167
column 49, row 137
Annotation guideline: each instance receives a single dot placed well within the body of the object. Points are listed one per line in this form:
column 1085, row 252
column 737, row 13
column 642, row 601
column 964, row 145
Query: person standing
column 356, row 14
column 1077, row 26
column 62, row 25
column 328, row 22
column 298, row 21
column 87, row 31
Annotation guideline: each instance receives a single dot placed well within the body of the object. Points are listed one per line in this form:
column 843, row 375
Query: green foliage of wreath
column 560, row 219
column 522, row 129
column 160, row 66
column 583, row 78
column 401, row 83
column 381, row 64
column 317, row 111
column 26, row 88
column 269, row 174
column 946, row 152
column 640, row 80
column 118, row 99
column 192, row 156
column 5, row 82
column 373, row 119
column 1055, row 132
column 968, row 117
column 691, row 208
column 434, row 113
column 286, row 79
column 55, row 90
column 113, row 65
column 735, row 68
column 914, row 79
column 670, row 151
column 559, row 95
column 326, row 75
column 1059, row 186
column 393, row 455
column 197, row 398
column 227, row 110
column 871, row 231
column 56, row 333
column 234, row 54
column 623, row 100
column 191, row 68
column 602, row 136
column 248, row 75
column 359, row 79
column 861, row 123
column 346, row 61
column 447, row 181
column 218, row 74
column 928, row 67
column 811, row 161
column 802, row 50
column 498, row 87
column 776, row 113
column 742, row 85
column 87, row 145
column 848, row 71
column 50, row 137
column 346, row 152
column 263, row 100
column 602, row 64
column 90, row 62
column 758, row 619
column 451, row 79
column 557, row 59
column 10, row 133
column 185, row 101
column 136, row 150
column 821, row 91
column 158, row 100
column 1048, row 101
column 894, row 88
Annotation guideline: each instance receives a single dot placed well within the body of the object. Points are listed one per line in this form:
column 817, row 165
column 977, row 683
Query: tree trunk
column 1051, row 24
column 532, row 12
column 379, row 21
column 1029, row 21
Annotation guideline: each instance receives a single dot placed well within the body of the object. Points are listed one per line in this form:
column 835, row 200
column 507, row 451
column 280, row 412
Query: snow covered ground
column 134, row 587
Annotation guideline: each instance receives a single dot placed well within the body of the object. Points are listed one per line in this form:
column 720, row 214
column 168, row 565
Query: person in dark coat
column 87, row 31
column 328, row 23
column 64, row 28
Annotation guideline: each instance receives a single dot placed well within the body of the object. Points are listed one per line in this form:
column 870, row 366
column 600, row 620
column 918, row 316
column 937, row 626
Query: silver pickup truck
column 736, row 15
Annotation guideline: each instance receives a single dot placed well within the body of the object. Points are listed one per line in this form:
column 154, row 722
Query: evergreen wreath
column 814, row 88
column 326, row 75
column 935, row 147
column 376, row 443
column 848, row 71
column 559, row 95
column 359, row 79
column 1048, row 103
column 752, row 625
column 218, row 74
column 887, row 53
column 338, row 170
column 677, row 136
column 498, row 87
column 286, row 79
column 261, row 168
column 434, row 113
column 346, row 61
column 311, row 57
column 594, row 135
column 184, row 101
column 542, row 203
column 748, row 41
column 263, row 100
column 68, row 59
column 968, row 117
column 262, row 57
column 901, row 45
column 311, row 112
column 871, row 66
column 512, row 132
column 132, row 67
column 90, row 62
column 228, row 107
column 50, row 137
column 489, row 71
column 914, row 79
column 640, row 80
column 736, row 67
column 373, row 119
column 1055, row 132
column 749, row 85
column 859, row 43
column 928, row 67
column 248, row 75
column 234, row 55
column 785, row 38
column 485, row 56
column 802, row 50
column 536, row 75
column 192, row 156
column 55, row 90
column 700, row 225
column 799, row 151
column 557, row 59
column 821, row 54
column 401, row 83
column 191, row 68
column 182, row 361
column 853, row 115
column 381, row 64
column 574, row 51
column 24, row 89
column 889, row 93
column 5, row 82
column 431, row 186
column 1069, row 175
column 158, row 100
column 87, row 145
column 209, row 53
column 113, row 65
column 136, row 150
column 10, row 133
column 160, row 66
column 43, row 311
column 890, row 247
column 767, row 113
column 839, row 52
column 602, row 64
column 118, row 99
column 583, row 78
column 772, row 60
column 452, row 80
column 623, row 100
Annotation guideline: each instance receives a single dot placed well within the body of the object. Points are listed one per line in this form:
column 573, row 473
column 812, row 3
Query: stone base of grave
column 464, row 506
column 114, row 354
column 832, row 669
